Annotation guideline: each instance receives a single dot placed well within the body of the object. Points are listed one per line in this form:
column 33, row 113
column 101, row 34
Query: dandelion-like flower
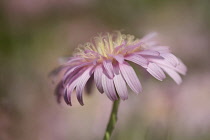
column 107, row 58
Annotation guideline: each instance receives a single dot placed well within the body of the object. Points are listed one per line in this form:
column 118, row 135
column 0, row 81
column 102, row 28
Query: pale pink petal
column 161, row 62
column 120, row 84
column 181, row 67
column 108, row 67
column 132, row 47
column 73, row 75
column 75, row 62
column 69, row 74
column 81, row 84
column 109, row 88
column 149, row 52
column 171, row 58
column 74, row 69
column 138, row 60
column 152, row 43
column 68, row 90
column 119, row 58
column 160, row 49
column 130, row 77
column 116, row 69
column 73, row 59
column 173, row 74
column 98, row 78
column 69, row 71
column 119, row 47
column 121, row 87
column 156, row 71
column 72, row 83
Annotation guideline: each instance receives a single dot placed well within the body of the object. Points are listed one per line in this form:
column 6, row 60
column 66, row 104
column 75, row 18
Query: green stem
column 112, row 120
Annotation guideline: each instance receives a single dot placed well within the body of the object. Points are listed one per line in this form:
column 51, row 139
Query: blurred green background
column 34, row 34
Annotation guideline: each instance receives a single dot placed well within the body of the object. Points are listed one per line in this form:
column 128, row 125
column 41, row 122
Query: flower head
column 106, row 58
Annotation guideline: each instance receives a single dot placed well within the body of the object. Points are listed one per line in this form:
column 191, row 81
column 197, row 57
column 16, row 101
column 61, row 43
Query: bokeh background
column 34, row 34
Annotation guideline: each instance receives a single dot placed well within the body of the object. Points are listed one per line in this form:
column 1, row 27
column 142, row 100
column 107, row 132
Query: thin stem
column 112, row 120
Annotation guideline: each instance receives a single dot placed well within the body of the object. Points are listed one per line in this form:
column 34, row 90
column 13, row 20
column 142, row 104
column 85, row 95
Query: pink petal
column 119, row 58
column 130, row 77
column 73, row 59
column 98, row 78
column 156, row 71
column 161, row 49
column 71, row 84
column 73, row 75
column 173, row 74
column 171, row 58
column 149, row 52
column 68, row 90
column 109, row 88
column 181, row 68
column 71, row 71
column 119, row 47
column 121, row 87
column 81, row 84
column 132, row 47
column 138, row 60
column 108, row 67
column 152, row 43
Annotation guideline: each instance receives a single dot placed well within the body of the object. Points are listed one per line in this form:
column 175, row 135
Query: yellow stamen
column 105, row 44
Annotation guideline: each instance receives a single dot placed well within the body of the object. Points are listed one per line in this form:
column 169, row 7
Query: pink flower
column 107, row 58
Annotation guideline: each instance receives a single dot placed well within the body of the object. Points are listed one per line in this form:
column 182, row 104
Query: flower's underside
column 106, row 58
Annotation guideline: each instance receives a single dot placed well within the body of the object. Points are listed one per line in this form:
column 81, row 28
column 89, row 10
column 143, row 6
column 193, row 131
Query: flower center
column 108, row 45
